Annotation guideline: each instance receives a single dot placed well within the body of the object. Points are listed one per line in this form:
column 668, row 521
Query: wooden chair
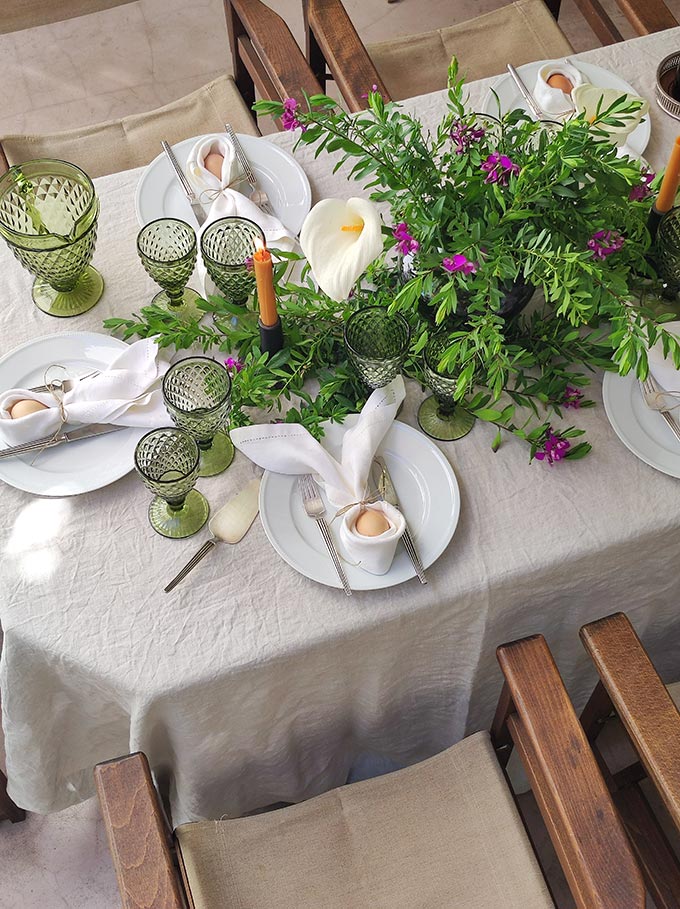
column 517, row 33
column 265, row 57
column 445, row 832
column 631, row 689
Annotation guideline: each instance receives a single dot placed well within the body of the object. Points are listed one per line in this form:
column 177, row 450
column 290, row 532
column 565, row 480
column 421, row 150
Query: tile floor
column 124, row 60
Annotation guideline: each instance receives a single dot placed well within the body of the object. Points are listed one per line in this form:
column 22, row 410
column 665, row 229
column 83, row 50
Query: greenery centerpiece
column 477, row 214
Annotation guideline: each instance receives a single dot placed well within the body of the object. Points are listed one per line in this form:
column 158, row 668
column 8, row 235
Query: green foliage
column 532, row 226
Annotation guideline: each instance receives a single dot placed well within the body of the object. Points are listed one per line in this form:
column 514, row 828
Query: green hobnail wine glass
column 167, row 249
column 197, row 395
column 376, row 343
column 167, row 461
column 227, row 247
column 439, row 416
column 48, row 216
column 668, row 248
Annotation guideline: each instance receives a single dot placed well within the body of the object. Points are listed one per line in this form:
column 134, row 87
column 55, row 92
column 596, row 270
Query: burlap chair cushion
column 517, row 33
column 133, row 141
column 20, row 14
column 443, row 833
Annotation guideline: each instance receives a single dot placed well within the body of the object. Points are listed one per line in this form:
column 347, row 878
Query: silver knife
column 383, row 481
column 85, row 432
column 526, row 94
column 187, row 189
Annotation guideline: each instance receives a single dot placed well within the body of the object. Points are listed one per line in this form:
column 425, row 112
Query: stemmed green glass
column 439, row 416
column 668, row 248
column 167, row 249
column 167, row 461
column 197, row 395
column 48, row 216
column 227, row 246
column 377, row 344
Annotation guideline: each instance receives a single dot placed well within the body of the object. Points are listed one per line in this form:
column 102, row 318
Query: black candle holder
column 271, row 337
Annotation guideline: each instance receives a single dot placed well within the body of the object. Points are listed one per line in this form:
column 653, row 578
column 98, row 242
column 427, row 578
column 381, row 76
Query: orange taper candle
column 670, row 182
column 264, row 275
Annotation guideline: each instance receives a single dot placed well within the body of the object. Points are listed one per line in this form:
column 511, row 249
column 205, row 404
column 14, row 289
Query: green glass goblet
column 167, row 461
column 48, row 216
column 439, row 416
column 227, row 247
column 376, row 343
column 197, row 394
column 167, row 249
column 668, row 248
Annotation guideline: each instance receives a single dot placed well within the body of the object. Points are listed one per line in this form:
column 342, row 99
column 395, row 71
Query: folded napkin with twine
column 128, row 393
column 224, row 200
column 290, row 449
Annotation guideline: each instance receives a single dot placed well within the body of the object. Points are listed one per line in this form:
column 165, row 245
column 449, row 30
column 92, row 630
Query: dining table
column 249, row 684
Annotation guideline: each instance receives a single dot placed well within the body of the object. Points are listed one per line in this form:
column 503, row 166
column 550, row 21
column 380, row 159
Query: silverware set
column 84, row 432
column 315, row 508
column 650, row 393
column 257, row 195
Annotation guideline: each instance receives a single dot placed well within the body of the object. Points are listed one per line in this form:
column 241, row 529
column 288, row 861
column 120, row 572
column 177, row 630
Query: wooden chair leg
column 8, row 810
column 313, row 52
column 500, row 733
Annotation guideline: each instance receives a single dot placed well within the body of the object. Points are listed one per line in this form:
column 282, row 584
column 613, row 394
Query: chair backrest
column 641, row 701
column 19, row 14
column 535, row 714
column 266, row 59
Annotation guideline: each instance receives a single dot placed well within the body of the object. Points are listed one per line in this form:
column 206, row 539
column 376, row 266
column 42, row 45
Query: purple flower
column 405, row 242
column 572, row 397
column 234, row 365
column 463, row 135
column 289, row 119
column 605, row 242
column 374, row 88
column 459, row 263
column 499, row 168
column 248, row 262
column 554, row 448
column 642, row 190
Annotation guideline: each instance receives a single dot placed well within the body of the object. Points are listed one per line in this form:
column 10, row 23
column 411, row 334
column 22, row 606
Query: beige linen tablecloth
column 250, row 684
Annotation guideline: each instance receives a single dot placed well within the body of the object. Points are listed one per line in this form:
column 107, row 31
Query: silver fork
column 257, row 196
column 316, row 509
column 650, row 392
column 63, row 386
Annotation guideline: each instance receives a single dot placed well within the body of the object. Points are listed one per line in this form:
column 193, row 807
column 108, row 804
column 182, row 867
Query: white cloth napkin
column 289, row 448
column 224, row 200
column 662, row 368
column 373, row 554
column 128, row 393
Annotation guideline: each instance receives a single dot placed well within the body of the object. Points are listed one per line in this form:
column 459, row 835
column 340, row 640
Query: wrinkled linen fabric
column 250, row 684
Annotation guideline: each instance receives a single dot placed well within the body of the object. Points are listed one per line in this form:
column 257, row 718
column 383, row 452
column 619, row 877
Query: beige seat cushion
column 19, row 14
column 117, row 145
column 517, row 33
column 443, row 834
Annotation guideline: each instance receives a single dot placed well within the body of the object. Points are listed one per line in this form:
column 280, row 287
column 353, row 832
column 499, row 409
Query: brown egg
column 213, row 163
column 24, row 408
column 371, row 523
column 557, row 80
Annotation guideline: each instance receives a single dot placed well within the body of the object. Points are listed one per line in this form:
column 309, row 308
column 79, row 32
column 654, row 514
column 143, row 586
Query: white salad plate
column 642, row 431
column 70, row 468
column 509, row 96
column 428, row 496
column 159, row 194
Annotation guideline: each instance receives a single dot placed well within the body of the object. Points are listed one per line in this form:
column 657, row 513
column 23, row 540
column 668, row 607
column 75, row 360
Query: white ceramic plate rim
column 641, row 430
column 602, row 78
column 267, row 159
column 33, row 478
column 294, row 550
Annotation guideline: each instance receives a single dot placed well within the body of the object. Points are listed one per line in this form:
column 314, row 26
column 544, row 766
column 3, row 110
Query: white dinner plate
column 428, row 495
column 159, row 195
column 642, row 431
column 510, row 98
column 82, row 466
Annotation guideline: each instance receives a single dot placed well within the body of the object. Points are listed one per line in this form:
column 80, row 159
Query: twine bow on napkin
column 224, row 200
column 128, row 393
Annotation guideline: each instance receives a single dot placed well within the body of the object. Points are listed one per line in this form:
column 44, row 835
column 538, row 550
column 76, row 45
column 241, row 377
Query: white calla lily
column 587, row 98
column 340, row 239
